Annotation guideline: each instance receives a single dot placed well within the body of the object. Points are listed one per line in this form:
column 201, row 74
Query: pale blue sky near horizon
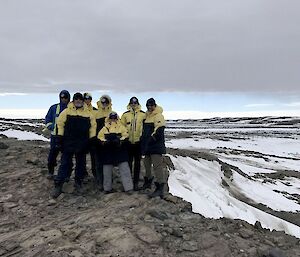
column 226, row 102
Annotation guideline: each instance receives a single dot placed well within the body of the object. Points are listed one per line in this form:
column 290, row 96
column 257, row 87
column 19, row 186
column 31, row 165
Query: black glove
column 125, row 142
column 58, row 142
column 116, row 141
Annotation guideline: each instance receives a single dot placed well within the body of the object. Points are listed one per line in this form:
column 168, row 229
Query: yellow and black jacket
column 92, row 109
column 76, row 126
column 133, row 121
column 113, row 136
column 153, row 136
column 102, row 113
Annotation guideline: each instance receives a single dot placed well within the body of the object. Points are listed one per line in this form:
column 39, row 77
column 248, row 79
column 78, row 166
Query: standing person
column 76, row 127
column 133, row 120
column 104, row 108
column 153, row 147
column 113, row 136
column 88, row 101
column 50, row 121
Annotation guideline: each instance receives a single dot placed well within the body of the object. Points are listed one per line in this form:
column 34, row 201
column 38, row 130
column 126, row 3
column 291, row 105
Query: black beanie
column 77, row 96
column 150, row 102
column 134, row 100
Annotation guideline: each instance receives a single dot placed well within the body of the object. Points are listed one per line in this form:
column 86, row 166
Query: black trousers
column 98, row 168
column 53, row 153
column 66, row 166
column 134, row 152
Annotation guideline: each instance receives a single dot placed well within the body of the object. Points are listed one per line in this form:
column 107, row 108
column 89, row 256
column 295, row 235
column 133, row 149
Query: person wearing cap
column 88, row 101
column 153, row 147
column 104, row 108
column 50, row 122
column 113, row 137
column 76, row 127
column 133, row 120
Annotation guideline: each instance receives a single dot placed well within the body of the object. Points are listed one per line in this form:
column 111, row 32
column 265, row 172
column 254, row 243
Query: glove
column 58, row 142
column 125, row 142
column 116, row 141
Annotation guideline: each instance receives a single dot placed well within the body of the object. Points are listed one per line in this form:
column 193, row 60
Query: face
column 64, row 100
column 104, row 102
column 133, row 105
column 78, row 103
column 88, row 101
column 150, row 108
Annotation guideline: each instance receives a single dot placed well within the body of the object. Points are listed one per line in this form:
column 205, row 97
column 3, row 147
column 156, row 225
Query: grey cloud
column 139, row 45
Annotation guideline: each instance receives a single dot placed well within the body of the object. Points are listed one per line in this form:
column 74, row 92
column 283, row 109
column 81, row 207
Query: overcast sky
column 150, row 45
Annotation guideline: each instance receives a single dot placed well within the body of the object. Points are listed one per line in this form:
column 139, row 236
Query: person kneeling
column 114, row 137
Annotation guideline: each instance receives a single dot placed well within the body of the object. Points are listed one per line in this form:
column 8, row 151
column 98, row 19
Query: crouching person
column 114, row 137
column 76, row 128
column 153, row 148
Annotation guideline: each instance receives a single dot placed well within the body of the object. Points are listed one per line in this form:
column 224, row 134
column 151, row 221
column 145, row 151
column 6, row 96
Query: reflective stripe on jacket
column 52, row 116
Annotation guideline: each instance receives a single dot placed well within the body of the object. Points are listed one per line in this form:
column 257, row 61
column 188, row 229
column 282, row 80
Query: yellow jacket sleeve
column 159, row 121
column 101, row 134
column 124, row 132
column 61, row 121
column 123, row 119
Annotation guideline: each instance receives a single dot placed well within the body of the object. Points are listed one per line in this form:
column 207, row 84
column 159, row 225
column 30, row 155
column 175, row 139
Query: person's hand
column 58, row 142
column 125, row 142
column 116, row 141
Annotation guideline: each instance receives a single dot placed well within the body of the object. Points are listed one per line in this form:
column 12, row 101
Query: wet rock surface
column 94, row 224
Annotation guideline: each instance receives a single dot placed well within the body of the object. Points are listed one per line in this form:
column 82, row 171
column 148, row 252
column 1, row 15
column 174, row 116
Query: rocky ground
column 94, row 224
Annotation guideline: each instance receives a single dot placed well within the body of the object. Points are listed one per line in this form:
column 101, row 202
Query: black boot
column 57, row 190
column 159, row 190
column 136, row 186
column 50, row 175
column 78, row 188
column 99, row 185
column 147, row 183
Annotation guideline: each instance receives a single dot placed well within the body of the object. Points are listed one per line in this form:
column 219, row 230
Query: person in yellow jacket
column 88, row 101
column 104, row 109
column 114, row 137
column 153, row 147
column 133, row 120
column 76, row 128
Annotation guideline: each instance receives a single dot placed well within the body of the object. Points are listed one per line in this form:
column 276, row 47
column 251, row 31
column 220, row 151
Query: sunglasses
column 64, row 97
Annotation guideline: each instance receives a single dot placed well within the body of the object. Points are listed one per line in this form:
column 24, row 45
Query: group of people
column 77, row 128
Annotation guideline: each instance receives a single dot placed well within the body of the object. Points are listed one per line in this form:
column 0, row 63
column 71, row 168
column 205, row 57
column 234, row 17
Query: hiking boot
column 50, row 176
column 78, row 190
column 99, row 185
column 159, row 190
column 129, row 192
column 136, row 186
column 109, row 192
column 57, row 190
column 147, row 183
